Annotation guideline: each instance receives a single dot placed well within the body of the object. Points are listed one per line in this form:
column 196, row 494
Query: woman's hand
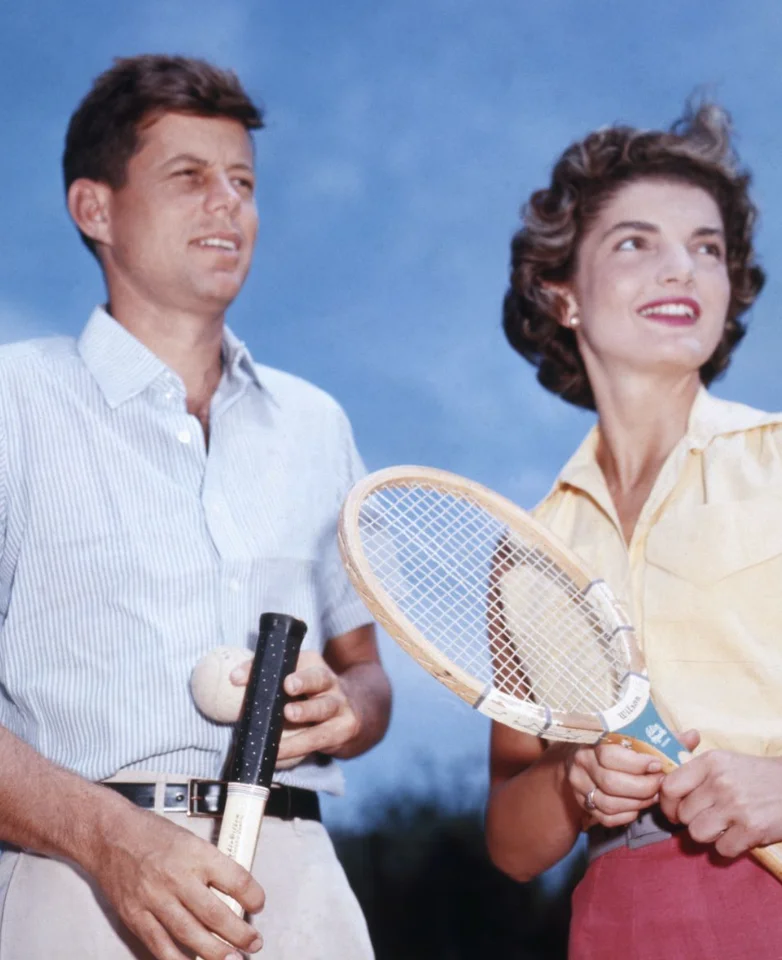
column 614, row 784
column 729, row 799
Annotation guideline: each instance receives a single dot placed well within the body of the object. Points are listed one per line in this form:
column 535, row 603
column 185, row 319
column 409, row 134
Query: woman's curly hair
column 696, row 150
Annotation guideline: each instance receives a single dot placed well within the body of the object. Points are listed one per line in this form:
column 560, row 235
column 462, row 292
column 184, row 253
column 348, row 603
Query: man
column 158, row 492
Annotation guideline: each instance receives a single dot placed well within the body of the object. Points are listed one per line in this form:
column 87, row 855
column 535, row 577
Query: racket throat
column 647, row 732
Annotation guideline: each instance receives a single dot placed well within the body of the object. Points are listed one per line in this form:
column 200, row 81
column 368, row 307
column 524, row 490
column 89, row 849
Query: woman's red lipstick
column 674, row 311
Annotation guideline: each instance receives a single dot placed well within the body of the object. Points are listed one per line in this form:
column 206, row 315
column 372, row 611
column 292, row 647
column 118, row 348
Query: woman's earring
column 573, row 322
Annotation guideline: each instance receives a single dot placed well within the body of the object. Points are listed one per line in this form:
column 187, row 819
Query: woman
column 629, row 278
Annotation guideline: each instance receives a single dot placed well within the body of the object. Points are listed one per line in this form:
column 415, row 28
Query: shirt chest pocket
column 712, row 586
column 718, row 544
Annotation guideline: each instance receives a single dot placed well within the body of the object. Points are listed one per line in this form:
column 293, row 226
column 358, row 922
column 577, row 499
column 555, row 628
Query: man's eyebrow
column 186, row 158
column 200, row 162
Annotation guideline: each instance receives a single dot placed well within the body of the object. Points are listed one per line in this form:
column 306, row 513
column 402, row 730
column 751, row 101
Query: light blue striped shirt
column 128, row 551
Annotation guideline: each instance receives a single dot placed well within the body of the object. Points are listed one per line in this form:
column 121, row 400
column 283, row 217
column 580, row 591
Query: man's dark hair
column 697, row 151
column 104, row 132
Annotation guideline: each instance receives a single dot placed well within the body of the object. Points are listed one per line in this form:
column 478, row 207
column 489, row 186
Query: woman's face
column 651, row 287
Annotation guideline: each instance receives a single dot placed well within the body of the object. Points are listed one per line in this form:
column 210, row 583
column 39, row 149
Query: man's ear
column 88, row 205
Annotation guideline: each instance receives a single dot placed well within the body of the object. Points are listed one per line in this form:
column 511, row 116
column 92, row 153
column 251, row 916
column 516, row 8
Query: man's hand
column 729, row 799
column 321, row 718
column 157, row 876
column 343, row 699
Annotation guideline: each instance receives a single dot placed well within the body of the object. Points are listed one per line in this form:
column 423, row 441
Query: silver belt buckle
column 192, row 798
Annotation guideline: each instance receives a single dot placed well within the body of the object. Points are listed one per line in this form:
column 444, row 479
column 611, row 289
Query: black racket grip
column 259, row 728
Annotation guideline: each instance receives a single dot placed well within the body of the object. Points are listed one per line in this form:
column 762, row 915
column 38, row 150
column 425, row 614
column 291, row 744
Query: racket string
column 453, row 570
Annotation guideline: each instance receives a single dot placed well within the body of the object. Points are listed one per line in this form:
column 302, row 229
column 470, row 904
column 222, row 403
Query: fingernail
column 237, row 675
column 654, row 767
column 256, row 945
column 294, row 684
column 294, row 712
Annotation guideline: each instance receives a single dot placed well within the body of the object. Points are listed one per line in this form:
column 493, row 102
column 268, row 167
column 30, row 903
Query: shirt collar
column 709, row 417
column 123, row 367
column 237, row 358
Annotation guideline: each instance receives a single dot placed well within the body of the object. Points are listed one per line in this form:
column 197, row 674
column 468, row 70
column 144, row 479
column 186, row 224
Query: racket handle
column 260, row 725
column 770, row 857
column 240, row 828
column 239, row 831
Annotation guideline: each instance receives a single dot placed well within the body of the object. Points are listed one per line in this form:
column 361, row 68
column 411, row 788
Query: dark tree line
column 429, row 892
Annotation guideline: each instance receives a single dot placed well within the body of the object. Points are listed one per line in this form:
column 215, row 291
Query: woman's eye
column 630, row 243
column 711, row 250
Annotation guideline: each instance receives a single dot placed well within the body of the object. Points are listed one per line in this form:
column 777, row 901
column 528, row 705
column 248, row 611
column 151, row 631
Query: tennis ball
column 219, row 699
column 210, row 682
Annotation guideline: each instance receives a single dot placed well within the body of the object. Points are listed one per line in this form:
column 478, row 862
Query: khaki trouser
column 52, row 909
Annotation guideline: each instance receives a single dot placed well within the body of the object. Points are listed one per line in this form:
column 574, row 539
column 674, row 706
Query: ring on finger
column 589, row 800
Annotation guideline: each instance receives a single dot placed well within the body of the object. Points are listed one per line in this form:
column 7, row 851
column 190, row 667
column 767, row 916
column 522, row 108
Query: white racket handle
column 240, row 829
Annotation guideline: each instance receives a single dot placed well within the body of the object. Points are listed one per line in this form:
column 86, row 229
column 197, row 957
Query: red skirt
column 676, row 900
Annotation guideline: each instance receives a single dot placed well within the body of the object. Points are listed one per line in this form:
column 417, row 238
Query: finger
column 240, row 676
column 733, row 842
column 294, row 746
column 686, row 778
column 181, row 923
column 232, row 879
column 323, row 737
column 632, row 787
column 316, row 679
column 155, row 938
column 708, row 826
column 586, row 771
column 615, row 820
column 617, row 806
column 669, row 806
column 694, row 804
column 217, row 917
column 315, row 710
column 613, row 757
column 690, row 739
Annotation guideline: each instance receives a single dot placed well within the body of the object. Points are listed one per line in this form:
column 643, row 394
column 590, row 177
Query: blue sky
column 401, row 140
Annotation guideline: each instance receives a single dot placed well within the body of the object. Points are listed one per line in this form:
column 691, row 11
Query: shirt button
column 183, row 436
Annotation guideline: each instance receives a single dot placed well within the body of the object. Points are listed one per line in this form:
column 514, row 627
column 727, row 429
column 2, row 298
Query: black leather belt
column 206, row 798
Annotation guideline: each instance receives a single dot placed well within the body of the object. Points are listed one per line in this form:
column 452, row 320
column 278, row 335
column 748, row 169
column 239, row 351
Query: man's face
column 181, row 230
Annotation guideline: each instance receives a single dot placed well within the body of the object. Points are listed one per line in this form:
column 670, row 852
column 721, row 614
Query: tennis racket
column 494, row 607
column 258, row 732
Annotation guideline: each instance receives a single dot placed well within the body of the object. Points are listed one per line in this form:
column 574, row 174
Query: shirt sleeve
column 342, row 609
column 5, row 575
column 3, row 484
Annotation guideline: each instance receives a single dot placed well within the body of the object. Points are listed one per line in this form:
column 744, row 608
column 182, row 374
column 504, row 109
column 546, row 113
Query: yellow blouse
column 702, row 576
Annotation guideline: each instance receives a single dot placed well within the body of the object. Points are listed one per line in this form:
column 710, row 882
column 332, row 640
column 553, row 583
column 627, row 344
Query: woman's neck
column 641, row 421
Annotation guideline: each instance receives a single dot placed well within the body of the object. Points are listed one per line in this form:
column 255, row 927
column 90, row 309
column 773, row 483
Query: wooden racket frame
column 528, row 717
